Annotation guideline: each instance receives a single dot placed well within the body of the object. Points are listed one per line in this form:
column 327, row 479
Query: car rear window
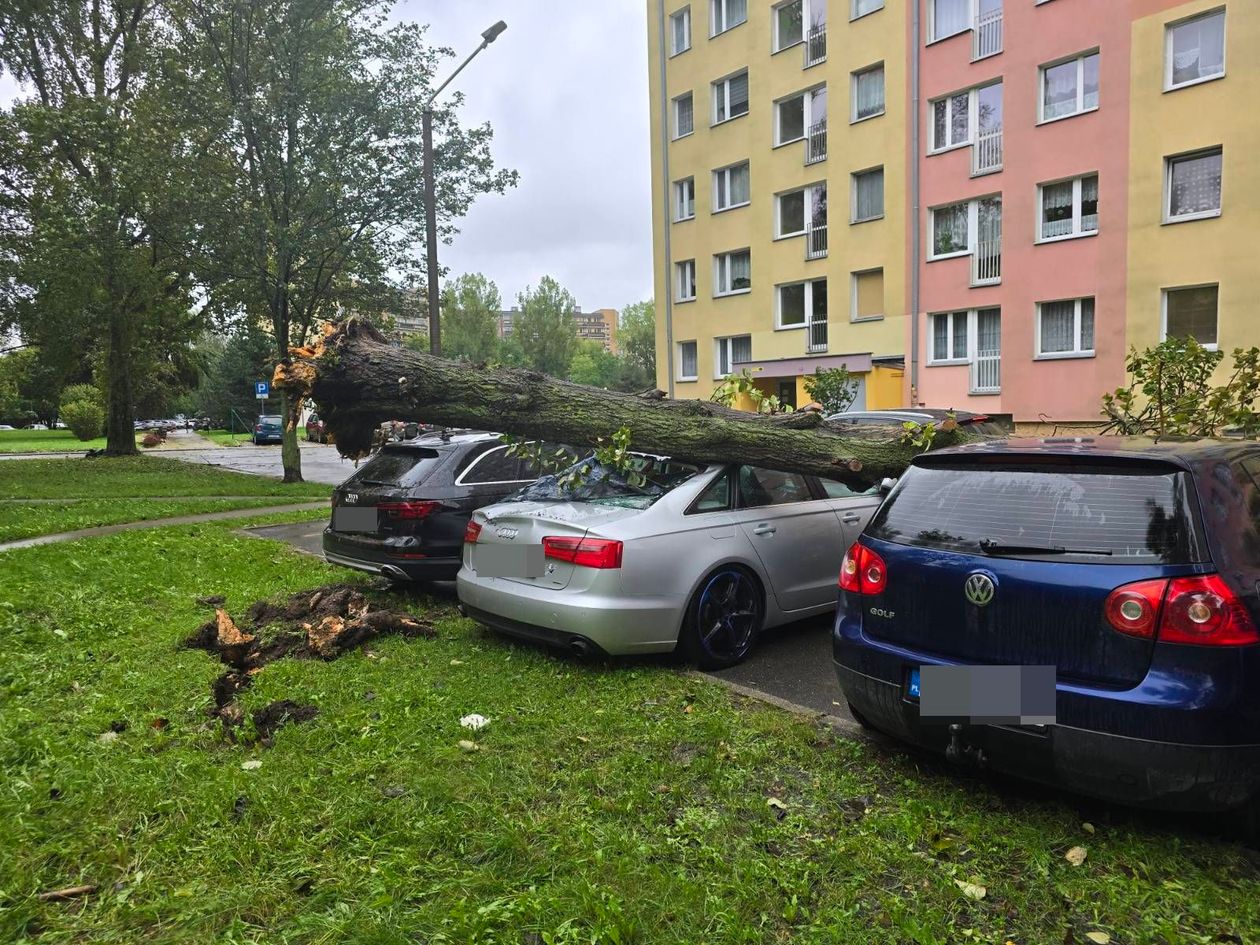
column 402, row 466
column 1098, row 514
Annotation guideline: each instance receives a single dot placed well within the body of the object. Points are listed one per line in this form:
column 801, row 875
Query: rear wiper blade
column 991, row 547
column 377, row 482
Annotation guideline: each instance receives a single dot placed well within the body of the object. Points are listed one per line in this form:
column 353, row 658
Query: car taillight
column 408, row 510
column 863, row 571
column 1201, row 611
column 472, row 531
column 258, row 428
column 584, row 552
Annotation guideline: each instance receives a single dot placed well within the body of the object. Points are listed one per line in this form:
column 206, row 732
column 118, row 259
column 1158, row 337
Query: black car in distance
column 403, row 513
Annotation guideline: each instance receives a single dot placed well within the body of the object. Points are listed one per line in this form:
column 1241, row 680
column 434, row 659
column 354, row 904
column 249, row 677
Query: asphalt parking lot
column 320, row 463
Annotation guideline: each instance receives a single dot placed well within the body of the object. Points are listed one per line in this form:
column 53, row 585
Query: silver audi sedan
column 700, row 559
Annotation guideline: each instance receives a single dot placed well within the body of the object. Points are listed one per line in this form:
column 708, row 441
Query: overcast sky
column 565, row 89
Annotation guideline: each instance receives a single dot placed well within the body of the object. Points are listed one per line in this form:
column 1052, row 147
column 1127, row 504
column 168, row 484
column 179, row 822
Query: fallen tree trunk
column 357, row 380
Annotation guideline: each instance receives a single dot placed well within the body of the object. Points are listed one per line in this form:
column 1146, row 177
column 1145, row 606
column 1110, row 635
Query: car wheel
column 724, row 618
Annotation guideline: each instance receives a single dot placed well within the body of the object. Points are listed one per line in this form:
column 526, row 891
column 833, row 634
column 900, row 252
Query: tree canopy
column 470, row 310
column 545, row 328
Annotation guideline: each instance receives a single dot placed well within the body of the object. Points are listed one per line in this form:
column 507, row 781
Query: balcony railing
column 816, row 142
column 817, row 337
column 816, row 241
column 987, row 153
column 816, row 45
column 986, row 372
column 986, row 263
column 986, row 37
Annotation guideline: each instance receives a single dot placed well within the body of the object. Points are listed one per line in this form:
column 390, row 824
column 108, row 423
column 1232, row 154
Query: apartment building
column 598, row 326
column 1060, row 185
column 779, row 185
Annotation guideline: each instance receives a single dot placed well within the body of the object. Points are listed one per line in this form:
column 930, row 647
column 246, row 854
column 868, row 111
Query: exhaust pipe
column 580, row 648
column 392, row 572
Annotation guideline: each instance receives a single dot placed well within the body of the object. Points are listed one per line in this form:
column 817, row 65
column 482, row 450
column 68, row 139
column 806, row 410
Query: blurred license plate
column 989, row 695
column 354, row 520
column 508, row 560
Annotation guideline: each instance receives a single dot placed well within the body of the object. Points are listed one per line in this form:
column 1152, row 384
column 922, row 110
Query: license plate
column 512, row 561
column 985, row 695
column 354, row 520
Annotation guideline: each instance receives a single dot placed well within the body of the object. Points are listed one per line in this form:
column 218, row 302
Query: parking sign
column 262, row 389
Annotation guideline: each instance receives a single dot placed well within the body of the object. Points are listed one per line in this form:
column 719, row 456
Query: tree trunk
column 358, row 380
column 290, row 452
column 120, row 430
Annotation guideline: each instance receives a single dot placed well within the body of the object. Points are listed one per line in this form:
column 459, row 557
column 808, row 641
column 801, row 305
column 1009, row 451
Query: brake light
column 1200, row 611
column 258, row 428
column 863, row 571
column 472, row 531
column 584, row 552
column 408, row 511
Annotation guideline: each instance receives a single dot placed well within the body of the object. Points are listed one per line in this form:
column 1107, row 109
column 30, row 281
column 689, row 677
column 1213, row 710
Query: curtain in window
column 989, row 331
column 1056, row 210
column 868, row 93
column 684, row 118
column 1198, row 49
column 1090, row 69
column 949, row 230
column 739, row 184
column 686, row 280
column 863, row 7
column 738, row 94
column 940, row 337
column 1196, row 185
column 959, row 320
column 741, row 349
column 681, row 23
column 736, row 12
column 869, row 195
column 1087, row 324
column 950, row 17
column 1058, row 327
column 1059, row 92
column 1192, row 313
column 687, row 359
column 741, row 271
column 1089, row 204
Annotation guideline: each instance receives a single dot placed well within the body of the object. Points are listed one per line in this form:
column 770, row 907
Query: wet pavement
column 320, row 463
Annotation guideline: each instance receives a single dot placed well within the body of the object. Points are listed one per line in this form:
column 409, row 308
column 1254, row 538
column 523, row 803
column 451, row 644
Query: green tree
column 833, row 388
column 545, row 328
column 591, row 364
column 470, row 309
column 233, row 364
column 312, row 198
column 636, row 337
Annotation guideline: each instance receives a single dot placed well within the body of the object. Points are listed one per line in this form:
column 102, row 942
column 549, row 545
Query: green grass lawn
column 46, row 441
column 226, row 437
column 607, row 803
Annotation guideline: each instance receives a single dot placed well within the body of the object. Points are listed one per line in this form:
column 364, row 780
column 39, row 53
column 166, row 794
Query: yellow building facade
column 778, row 173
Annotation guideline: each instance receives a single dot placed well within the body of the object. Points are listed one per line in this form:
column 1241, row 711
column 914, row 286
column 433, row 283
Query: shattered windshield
column 589, row 480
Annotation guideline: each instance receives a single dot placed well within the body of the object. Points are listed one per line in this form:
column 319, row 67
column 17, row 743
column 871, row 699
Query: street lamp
column 430, row 209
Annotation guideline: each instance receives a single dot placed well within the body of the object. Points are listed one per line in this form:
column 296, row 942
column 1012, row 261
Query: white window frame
column 680, row 216
column 1077, row 216
column 807, row 113
column 1079, row 59
column 722, row 267
column 1163, row 310
column 1170, row 28
column 934, row 147
column 683, row 13
column 680, row 267
column 854, row 118
column 853, row 296
column 1173, row 159
column 714, row 6
column 973, row 207
column 969, row 352
column 1077, row 350
column 674, row 102
column 725, row 173
column 854, row 220
column 855, row 15
column 775, row 45
column 810, row 194
column 809, row 303
column 931, row 18
column 722, row 88
column 688, row 377
column 726, row 343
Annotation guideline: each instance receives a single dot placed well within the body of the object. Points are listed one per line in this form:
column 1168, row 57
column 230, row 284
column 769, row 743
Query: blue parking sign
column 262, row 389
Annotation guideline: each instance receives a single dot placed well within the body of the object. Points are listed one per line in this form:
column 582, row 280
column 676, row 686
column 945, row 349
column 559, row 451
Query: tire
column 730, row 602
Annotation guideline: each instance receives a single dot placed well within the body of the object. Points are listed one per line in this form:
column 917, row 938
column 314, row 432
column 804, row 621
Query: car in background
column 404, row 512
column 971, row 422
column 315, row 432
column 5, row 427
column 268, row 429
column 1130, row 568
column 693, row 559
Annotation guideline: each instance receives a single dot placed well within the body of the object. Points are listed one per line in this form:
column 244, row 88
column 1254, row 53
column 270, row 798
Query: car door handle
column 764, row 529
column 851, row 518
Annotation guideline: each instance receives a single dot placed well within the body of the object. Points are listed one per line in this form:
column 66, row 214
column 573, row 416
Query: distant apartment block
column 1060, row 185
column 599, row 325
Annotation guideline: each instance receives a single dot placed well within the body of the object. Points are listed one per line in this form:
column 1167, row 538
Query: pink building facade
column 1022, row 160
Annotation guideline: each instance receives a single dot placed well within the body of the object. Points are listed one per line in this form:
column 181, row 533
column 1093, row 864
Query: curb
column 842, row 726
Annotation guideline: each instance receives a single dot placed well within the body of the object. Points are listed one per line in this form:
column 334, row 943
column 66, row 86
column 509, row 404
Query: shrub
column 151, row 440
column 833, row 388
column 85, row 392
column 85, row 419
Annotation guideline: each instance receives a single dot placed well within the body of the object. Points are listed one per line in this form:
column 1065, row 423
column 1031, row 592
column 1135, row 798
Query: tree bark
column 358, row 380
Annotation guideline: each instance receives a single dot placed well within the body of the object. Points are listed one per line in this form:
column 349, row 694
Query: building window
column 789, row 24
column 1195, row 50
column 684, row 116
column 972, row 337
column 860, row 8
column 685, row 281
column 1190, row 312
column 1070, row 87
column 726, row 14
column 688, row 369
column 868, row 195
column 732, row 272
column 684, row 199
column 801, row 303
column 965, row 117
column 951, row 121
column 1192, row 186
column 868, row 92
column 948, row 17
column 1069, row 208
column 729, row 352
column 799, row 211
column 949, row 337
column 730, row 97
column 1065, row 329
column 730, row 187
column 794, row 116
column 680, row 31
column 868, row 295
column 951, row 230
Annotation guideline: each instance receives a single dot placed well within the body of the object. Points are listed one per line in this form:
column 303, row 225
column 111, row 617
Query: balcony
column 816, row 45
column 986, row 35
column 816, row 142
column 986, row 263
column 986, row 372
column 986, row 153
column 816, row 241
column 816, row 337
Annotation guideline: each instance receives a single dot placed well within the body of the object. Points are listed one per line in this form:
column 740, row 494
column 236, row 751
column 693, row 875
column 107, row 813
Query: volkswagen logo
column 506, row 532
column 980, row 589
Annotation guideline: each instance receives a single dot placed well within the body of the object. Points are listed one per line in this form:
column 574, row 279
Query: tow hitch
column 961, row 753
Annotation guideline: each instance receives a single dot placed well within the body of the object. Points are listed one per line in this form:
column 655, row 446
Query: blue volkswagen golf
column 1081, row 612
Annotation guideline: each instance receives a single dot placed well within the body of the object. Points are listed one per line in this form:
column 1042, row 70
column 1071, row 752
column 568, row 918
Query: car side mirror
column 886, row 486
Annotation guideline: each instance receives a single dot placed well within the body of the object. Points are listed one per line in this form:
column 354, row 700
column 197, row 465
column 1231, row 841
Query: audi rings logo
column 980, row 589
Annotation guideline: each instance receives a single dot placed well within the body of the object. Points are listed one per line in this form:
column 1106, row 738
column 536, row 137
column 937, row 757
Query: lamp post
column 430, row 208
